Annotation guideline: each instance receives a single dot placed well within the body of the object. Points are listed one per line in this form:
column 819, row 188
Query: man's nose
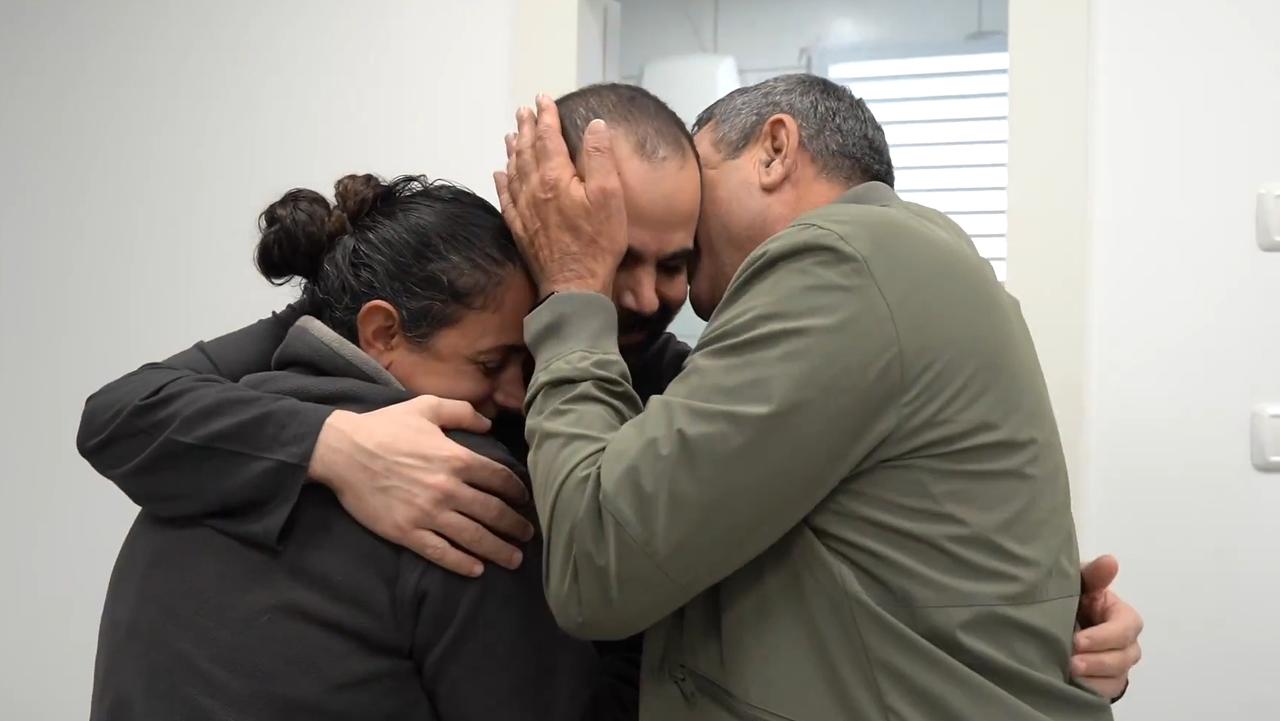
column 638, row 292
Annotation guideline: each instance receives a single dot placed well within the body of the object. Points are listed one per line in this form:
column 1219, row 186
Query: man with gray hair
column 852, row 503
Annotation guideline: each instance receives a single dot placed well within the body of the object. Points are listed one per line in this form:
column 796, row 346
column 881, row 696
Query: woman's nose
column 510, row 390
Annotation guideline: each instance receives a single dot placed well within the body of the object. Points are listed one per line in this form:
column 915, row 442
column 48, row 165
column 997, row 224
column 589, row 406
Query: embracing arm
column 183, row 440
column 644, row 509
column 240, row 455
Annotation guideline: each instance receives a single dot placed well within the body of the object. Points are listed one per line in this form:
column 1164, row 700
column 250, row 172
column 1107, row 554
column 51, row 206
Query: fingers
column 438, row 551
column 508, row 186
column 451, row 414
column 1107, row 673
column 1099, row 574
column 604, row 189
column 1118, row 626
column 1108, row 688
column 477, row 539
column 551, row 152
column 513, row 178
column 526, row 162
column 494, row 479
column 502, row 183
column 491, row 512
column 1108, row 664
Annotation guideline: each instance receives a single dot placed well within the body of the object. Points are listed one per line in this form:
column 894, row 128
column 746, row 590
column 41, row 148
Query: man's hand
column 1107, row 646
column 398, row 475
column 572, row 231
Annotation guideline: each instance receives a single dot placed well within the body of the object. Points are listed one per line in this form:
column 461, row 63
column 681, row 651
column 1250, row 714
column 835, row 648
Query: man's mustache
column 630, row 322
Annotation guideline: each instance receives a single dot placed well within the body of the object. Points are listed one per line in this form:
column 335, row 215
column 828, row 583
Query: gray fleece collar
column 312, row 343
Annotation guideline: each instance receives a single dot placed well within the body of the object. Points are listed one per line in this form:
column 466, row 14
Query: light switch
column 1266, row 437
column 1269, row 217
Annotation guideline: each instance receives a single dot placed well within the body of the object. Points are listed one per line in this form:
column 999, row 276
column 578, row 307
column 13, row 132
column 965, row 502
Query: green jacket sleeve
column 794, row 384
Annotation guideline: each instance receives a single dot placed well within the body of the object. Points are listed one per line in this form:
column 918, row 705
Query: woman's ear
column 378, row 331
column 779, row 147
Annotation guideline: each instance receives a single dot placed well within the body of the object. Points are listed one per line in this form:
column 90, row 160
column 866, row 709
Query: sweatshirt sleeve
column 794, row 383
column 183, row 440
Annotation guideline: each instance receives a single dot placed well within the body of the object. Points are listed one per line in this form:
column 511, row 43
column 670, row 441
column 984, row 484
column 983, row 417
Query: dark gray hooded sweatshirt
column 334, row 622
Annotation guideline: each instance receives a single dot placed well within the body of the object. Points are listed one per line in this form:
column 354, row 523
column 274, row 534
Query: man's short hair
column 836, row 128
column 656, row 132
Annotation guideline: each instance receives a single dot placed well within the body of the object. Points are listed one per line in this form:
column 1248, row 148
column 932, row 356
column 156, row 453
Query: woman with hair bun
column 413, row 287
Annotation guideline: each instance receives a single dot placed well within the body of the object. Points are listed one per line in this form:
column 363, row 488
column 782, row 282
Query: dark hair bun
column 357, row 194
column 299, row 229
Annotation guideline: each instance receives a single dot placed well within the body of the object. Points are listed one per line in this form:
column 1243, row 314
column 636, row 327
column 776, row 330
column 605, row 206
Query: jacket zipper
column 715, row 692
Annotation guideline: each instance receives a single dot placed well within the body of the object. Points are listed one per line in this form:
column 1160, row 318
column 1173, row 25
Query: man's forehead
column 664, row 181
column 662, row 197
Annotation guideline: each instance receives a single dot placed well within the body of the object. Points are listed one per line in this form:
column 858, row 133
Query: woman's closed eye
column 491, row 367
column 494, row 362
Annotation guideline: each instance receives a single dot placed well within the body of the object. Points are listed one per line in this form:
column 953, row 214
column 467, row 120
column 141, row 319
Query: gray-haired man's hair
column 836, row 128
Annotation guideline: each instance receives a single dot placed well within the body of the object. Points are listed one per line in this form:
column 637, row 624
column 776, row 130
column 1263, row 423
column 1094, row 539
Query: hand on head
column 572, row 230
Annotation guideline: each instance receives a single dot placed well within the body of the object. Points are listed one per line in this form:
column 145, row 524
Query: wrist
column 576, row 281
column 571, row 321
column 331, row 449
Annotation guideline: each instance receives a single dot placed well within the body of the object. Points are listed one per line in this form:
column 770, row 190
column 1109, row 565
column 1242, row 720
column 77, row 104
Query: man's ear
column 378, row 330
column 779, row 151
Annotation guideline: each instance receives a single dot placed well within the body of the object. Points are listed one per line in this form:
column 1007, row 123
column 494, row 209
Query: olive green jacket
column 851, row 504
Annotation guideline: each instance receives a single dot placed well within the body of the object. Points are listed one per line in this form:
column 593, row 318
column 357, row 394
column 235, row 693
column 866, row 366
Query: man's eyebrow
column 682, row 254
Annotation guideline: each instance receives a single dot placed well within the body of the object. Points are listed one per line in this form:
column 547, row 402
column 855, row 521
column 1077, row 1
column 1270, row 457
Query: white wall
column 1049, row 208
column 598, row 41
column 545, row 49
column 1183, row 341
column 138, row 141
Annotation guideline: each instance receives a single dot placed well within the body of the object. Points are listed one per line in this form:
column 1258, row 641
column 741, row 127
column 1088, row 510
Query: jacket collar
column 871, row 193
column 314, row 345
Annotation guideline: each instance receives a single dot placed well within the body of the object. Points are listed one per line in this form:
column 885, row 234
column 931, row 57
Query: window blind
column 946, row 118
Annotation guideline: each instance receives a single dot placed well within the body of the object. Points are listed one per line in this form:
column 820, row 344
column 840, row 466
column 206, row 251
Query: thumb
column 451, row 414
column 1098, row 574
column 600, row 170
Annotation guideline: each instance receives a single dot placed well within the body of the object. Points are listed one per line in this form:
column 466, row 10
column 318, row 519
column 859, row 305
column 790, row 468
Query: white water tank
column 690, row 83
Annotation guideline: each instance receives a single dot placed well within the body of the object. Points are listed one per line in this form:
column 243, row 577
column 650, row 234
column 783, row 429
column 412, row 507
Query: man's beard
column 508, row 426
column 646, row 329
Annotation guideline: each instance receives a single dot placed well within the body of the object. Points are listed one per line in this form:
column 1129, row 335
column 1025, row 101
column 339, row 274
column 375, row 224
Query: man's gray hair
column 835, row 127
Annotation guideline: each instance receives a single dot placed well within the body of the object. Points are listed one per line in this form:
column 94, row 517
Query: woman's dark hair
column 430, row 248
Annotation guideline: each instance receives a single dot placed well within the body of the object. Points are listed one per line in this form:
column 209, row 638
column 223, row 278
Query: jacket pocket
column 721, row 696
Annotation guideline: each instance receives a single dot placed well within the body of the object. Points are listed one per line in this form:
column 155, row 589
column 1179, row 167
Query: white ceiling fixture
column 690, row 83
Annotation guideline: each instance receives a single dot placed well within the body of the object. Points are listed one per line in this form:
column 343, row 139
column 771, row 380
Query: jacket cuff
column 299, row 442
column 1123, row 691
column 568, row 322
